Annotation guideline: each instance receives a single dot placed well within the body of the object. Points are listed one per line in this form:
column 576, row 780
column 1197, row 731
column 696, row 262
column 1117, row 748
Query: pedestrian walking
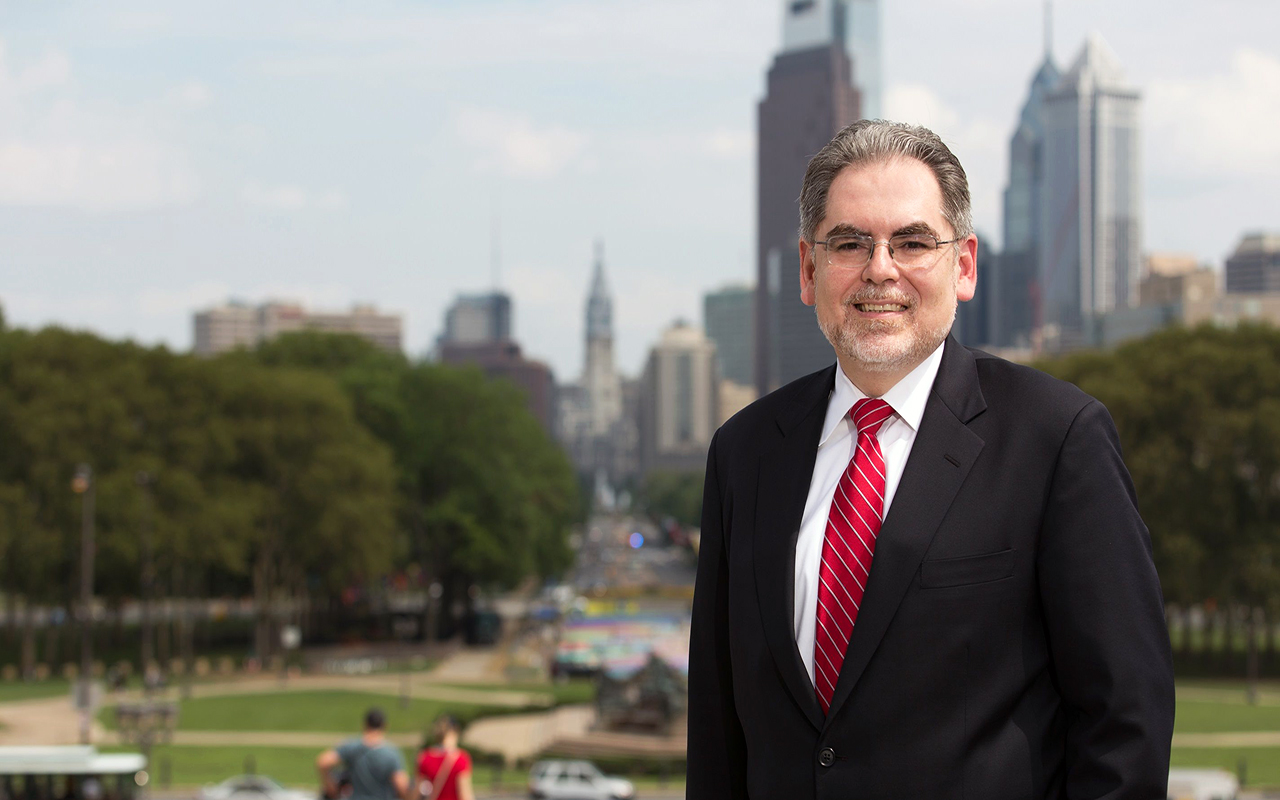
column 444, row 768
column 374, row 766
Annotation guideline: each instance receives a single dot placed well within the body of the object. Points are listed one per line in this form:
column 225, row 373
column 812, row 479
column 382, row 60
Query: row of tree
column 295, row 471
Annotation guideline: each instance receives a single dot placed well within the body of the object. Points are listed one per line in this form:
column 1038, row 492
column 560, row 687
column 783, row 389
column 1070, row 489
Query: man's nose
column 881, row 267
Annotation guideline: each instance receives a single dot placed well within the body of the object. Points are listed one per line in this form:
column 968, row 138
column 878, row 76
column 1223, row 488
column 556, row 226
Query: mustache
column 878, row 296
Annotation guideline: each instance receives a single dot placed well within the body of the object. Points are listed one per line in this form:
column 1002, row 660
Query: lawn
column 19, row 690
column 1262, row 764
column 320, row 711
column 576, row 690
column 1198, row 716
column 195, row 766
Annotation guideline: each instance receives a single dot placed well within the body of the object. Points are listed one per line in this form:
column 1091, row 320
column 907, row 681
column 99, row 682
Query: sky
column 159, row 158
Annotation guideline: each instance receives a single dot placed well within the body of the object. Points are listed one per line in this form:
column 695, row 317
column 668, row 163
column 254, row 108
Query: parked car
column 576, row 780
column 1202, row 784
column 251, row 787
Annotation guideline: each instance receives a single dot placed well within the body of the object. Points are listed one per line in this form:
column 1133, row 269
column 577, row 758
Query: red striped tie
column 852, row 527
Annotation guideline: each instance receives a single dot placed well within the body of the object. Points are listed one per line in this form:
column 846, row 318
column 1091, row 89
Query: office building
column 810, row 95
column 733, row 398
column 477, row 318
column 678, row 401
column 1013, row 278
column 728, row 320
column 1091, row 220
column 503, row 360
column 1255, row 264
column 237, row 324
column 973, row 318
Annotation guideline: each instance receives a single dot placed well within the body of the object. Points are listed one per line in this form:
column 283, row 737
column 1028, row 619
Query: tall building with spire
column 596, row 417
column 810, row 95
column 1014, row 283
column 1091, row 217
column 599, row 378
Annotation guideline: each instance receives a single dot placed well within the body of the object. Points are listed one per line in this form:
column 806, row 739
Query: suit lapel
column 785, row 472
column 944, row 451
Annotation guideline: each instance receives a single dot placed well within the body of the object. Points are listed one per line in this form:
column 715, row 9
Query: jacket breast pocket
column 966, row 571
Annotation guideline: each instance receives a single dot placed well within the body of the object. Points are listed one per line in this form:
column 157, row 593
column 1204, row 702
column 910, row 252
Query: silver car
column 576, row 780
column 251, row 787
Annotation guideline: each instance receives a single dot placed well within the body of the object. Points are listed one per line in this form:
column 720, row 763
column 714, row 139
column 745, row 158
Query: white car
column 576, row 780
column 251, row 787
column 1202, row 784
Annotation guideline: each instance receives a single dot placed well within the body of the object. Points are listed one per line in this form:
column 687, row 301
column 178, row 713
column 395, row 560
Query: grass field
column 295, row 766
column 1203, row 707
column 54, row 687
column 320, row 711
column 577, row 690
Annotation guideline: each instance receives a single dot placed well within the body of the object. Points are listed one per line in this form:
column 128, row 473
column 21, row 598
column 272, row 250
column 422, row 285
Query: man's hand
column 401, row 780
column 325, row 763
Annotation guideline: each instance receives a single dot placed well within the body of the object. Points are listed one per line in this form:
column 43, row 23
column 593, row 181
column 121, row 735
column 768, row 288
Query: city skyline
column 156, row 161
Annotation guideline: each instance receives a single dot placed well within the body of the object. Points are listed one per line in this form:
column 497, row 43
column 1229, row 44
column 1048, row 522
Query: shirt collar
column 907, row 397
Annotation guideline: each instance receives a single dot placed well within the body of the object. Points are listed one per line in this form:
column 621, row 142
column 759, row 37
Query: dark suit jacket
column 1011, row 642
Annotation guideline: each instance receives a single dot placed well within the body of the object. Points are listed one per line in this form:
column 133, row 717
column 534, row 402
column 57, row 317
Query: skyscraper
column 1091, row 218
column 810, row 96
column 973, row 318
column 863, row 45
column 1013, row 282
column 727, row 319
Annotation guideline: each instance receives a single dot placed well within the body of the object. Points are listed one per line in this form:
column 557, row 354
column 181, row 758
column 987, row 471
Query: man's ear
column 808, row 293
column 967, row 280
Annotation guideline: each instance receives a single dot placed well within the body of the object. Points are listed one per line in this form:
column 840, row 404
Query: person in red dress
column 444, row 769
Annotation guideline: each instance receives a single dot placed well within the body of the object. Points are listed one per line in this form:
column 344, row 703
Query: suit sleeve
column 716, row 748
column 1104, row 615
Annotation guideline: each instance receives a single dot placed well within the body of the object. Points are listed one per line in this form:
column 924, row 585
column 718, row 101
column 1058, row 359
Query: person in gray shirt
column 374, row 766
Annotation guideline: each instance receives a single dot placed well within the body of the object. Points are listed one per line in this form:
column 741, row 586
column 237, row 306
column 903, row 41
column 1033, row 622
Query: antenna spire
column 1048, row 30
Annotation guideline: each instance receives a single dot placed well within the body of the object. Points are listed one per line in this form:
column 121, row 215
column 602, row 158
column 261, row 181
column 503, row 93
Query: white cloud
column 288, row 198
column 977, row 141
column 192, row 96
column 730, row 145
column 1221, row 125
column 514, row 146
column 57, row 151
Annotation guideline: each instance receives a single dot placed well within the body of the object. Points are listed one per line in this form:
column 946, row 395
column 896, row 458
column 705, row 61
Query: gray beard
column 870, row 351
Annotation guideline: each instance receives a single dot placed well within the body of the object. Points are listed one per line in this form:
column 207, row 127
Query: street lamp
column 82, row 484
column 144, row 481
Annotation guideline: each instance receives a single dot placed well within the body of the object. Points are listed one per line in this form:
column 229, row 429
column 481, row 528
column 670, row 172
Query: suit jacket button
column 827, row 757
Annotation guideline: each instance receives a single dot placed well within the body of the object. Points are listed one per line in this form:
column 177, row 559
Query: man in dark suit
column 922, row 571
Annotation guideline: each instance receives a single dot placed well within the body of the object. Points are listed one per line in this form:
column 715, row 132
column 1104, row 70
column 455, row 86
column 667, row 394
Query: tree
column 1199, row 420
column 677, row 495
column 485, row 495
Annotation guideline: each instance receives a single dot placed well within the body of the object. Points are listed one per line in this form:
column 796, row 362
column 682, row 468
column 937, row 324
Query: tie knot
column 869, row 413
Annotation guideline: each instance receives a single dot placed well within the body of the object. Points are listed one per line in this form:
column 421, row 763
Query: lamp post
column 82, row 484
column 144, row 481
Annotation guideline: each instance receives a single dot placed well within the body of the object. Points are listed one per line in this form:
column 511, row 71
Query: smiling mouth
column 871, row 308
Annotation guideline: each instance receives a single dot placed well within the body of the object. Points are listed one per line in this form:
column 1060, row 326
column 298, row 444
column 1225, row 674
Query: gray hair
column 870, row 141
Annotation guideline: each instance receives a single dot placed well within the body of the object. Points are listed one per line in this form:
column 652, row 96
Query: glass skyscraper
column 1091, row 219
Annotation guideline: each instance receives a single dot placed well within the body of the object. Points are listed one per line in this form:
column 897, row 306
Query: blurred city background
column 369, row 356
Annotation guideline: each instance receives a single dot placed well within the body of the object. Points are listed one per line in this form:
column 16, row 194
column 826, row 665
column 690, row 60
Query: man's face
column 884, row 318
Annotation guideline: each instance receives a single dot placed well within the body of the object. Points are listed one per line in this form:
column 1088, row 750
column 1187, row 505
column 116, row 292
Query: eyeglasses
column 907, row 250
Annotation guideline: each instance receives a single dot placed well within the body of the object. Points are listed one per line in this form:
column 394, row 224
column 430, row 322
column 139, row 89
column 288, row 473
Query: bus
column 72, row 772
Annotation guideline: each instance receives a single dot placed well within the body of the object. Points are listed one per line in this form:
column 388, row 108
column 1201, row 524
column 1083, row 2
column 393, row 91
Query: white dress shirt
column 835, row 450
